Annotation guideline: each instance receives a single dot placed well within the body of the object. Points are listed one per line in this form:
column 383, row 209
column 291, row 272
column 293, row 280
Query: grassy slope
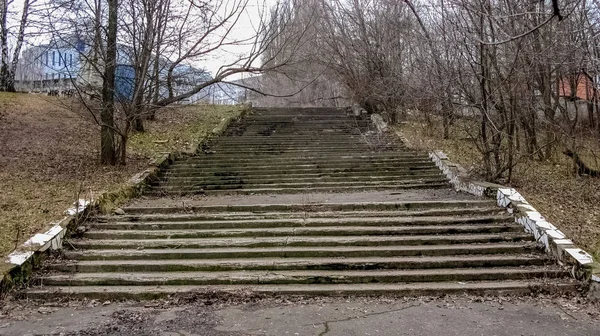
column 568, row 201
column 48, row 156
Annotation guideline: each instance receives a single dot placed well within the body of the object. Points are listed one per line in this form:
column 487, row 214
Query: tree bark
column 10, row 83
column 4, row 67
column 108, row 153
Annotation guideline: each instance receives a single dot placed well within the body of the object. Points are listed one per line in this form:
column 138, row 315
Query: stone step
column 313, row 184
column 300, row 277
column 369, row 155
column 323, row 169
column 293, row 141
column 162, row 233
column 297, row 241
column 193, row 221
column 349, row 147
column 437, row 214
column 502, row 287
column 239, row 183
column 322, row 133
column 281, row 164
column 302, row 252
column 313, row 207
column 363, row 171
column 288, row 152
column 211, row 159
column 302, row 190
column 307, row 138
column 193, row 177
column 277, row 264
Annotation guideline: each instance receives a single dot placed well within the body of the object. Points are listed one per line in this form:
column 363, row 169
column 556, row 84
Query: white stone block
column 563, row 242
column 544, row 240
column 555, row 234
column 535, row 216
column 580, row 255
column 544, row 225
column 18, row 258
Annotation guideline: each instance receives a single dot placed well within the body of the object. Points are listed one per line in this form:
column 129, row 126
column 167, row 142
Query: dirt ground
column 209, row 313
column 568, row 201
column 49, row 156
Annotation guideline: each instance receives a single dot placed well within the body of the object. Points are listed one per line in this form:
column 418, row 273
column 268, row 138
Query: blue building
column 47, row 67
column 62, row 66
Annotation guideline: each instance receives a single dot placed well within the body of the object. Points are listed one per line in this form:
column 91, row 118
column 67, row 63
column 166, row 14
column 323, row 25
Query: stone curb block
column 18, row 265
column 554, row 241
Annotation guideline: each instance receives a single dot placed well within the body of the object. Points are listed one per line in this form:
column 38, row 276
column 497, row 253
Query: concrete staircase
column 399, row 229
column 299, row 151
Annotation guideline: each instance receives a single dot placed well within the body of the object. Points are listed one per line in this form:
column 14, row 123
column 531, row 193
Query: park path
column 302, row 201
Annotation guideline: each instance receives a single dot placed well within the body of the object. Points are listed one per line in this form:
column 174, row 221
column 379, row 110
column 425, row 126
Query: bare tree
column 159, row 48
column 8, row 65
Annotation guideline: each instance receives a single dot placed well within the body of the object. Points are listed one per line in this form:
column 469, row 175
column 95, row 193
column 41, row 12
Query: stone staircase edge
column 17, row 267
column 583, row 266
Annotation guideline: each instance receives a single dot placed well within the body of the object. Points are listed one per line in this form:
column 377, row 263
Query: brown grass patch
column 568, row 201
column 49, row 156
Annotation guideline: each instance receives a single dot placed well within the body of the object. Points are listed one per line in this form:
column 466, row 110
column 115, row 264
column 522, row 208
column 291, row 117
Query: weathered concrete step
column 364, row 165
column 185, row 181
column 303, row 252
column 300, row 277
column 395, row 289
column 275, row 190
column 294, row 141
column 288, row 152
column 218, row 184
column 313, row 207
column 155, row 231
column 222, row 185
column 370, row 155
column 324, row 241
column 294, row 145
column 291, row 149
column 269, row 127
column 240, row 171
column 259, row 215
column 294, row 149
column 301, row 176
column 304, row 168
column 307, row 137
column 288, row 117
column 373, row 263
column 382, row 154
column 192, row 222
column 284, row 120
column 324, row 133
column 209, row 160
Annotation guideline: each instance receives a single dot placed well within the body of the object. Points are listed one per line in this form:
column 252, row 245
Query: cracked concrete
column 218, row 316
column 328, row 329
column 436, row 317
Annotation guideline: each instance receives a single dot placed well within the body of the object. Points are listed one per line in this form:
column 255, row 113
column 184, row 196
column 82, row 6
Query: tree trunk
column 4, row 68
column 10, row 84
column 107, row 144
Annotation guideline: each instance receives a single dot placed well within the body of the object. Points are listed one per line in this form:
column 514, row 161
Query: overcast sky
column 244, row 29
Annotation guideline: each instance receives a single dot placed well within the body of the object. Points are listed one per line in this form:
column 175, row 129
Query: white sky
column 244, row 29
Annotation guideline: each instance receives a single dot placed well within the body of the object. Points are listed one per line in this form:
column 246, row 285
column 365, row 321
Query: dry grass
column 49, row 156
column 568, row 201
